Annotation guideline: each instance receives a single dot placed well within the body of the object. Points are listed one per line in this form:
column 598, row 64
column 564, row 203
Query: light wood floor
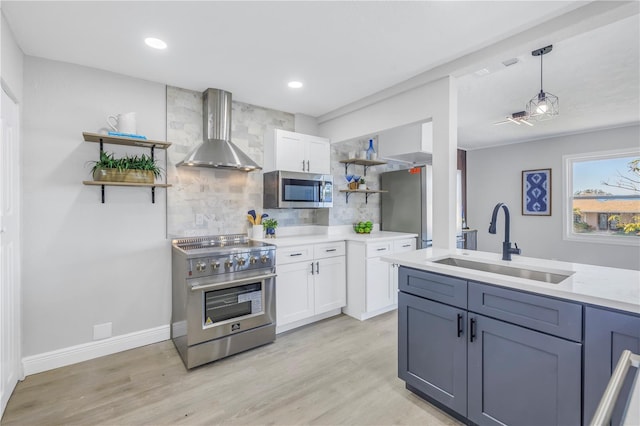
column 338, row 371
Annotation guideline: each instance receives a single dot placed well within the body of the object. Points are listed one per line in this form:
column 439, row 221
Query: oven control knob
column 215, row 265
column 264, row 258
column 201, row 266
column 228, row 263
column 242, row 261
column 252, row 260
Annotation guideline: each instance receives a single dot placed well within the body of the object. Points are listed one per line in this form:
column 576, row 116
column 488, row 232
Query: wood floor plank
column 339, row 371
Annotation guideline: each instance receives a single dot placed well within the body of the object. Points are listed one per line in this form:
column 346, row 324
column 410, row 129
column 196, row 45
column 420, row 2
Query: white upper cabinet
column 412, row 143
column 296, row 152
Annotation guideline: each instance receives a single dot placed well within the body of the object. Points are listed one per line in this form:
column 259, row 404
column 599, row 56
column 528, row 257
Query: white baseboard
column 61, row 357
column 306, row 321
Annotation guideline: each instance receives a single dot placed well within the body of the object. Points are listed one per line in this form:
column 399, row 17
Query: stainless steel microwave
column 293, row 190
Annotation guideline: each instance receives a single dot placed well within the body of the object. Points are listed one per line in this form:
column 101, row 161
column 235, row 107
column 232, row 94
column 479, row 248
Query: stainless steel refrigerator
column 408, row 207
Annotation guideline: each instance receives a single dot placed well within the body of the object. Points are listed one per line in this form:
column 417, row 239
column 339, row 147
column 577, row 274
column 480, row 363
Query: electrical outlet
column 199, row 219
column 102, row 331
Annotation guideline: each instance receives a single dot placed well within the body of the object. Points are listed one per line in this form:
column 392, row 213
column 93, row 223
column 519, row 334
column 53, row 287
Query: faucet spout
column 507, row 251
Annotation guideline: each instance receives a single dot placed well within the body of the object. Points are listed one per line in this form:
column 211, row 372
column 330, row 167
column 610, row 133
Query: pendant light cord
column 541, row 73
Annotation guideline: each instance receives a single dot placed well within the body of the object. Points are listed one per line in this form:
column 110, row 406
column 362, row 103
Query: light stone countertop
column 375, row 236
column 596, row 285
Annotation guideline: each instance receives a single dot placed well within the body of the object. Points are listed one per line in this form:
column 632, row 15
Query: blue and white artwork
column 536, row 192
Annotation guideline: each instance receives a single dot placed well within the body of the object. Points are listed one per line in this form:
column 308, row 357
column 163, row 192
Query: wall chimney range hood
column 217, row 150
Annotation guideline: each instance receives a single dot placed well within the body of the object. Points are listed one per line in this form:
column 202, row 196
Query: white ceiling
column 346, row 51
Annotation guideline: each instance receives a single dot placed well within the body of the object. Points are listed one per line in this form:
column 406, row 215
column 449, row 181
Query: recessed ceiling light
column 295, row 84
column 156, row 43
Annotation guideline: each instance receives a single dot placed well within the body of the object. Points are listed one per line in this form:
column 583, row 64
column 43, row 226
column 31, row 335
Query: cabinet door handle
column 295, row 254
column 308, row 168
column 312, row 272
column 472, row 329
column 303, row 165
column 459, row 325
column 317, row 267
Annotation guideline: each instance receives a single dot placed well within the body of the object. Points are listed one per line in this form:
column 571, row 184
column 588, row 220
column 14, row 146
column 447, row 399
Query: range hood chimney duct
column 217, row 150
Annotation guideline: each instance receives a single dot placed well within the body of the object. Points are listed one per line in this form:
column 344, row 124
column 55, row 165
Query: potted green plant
column 270, row 226
column 361, row 184
column 132, row 169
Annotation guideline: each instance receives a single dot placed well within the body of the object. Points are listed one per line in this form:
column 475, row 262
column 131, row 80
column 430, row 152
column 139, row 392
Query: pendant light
column 543, row 106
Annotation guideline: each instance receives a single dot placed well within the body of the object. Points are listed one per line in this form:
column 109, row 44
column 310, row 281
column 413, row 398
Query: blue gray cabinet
column 432, row 349
column 519, row 376
column 513, row 374
column 607, row 334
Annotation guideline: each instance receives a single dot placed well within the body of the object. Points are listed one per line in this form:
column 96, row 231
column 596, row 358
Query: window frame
column 567, row 198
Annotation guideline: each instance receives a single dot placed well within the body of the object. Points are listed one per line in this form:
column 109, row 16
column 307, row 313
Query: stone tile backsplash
column 206, row 201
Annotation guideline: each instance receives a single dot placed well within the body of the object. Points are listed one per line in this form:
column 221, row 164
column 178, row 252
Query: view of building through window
column 606, row 196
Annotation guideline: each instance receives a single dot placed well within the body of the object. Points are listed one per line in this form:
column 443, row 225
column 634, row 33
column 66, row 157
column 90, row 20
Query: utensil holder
column 257, row 232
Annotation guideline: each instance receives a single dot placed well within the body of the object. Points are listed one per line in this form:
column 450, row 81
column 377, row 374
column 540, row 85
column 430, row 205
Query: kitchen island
column 488, row 345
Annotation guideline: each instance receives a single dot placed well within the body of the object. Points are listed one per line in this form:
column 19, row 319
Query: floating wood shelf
column 122, row 140
column 366, row 192
column 108, row 183
column 361, row 162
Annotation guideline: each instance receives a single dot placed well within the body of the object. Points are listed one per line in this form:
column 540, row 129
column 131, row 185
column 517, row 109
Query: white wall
column 12, row 61
column 87, row 263
column 494, row 175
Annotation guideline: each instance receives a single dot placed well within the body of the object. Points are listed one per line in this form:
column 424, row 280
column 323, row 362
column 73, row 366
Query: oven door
column 221, row 309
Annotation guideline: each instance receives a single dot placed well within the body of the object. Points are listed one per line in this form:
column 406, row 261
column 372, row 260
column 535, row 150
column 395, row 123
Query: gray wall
column 494, row 175
column 84, row 262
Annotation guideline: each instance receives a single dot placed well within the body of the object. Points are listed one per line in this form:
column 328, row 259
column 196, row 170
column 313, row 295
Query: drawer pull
column 406, row 245
column 330, row 250
column 381, row 249
column 472, row 329
column 295, row 254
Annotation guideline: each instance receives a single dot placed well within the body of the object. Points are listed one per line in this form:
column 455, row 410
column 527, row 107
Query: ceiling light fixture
column 516, row 118
column 295, row 84
column 156, row 43
column 543, row 106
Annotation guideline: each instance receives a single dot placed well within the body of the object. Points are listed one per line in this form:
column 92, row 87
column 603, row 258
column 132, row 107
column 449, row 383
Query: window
column 602, row 197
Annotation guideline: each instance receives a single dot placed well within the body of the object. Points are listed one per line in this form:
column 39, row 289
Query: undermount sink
column 512, row 271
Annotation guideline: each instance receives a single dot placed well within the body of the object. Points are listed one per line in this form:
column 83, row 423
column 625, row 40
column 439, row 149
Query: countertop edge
column 318, row 239
column 425, row 263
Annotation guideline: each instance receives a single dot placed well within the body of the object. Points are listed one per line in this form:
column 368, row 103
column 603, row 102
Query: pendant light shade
column 543, row 106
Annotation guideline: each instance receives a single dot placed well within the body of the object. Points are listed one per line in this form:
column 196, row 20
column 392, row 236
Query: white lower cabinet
column 373, row 283
column 311, row 284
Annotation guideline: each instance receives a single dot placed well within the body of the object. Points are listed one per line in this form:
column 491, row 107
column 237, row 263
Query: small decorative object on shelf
column 270, row 226
column 361, row 184
column 132, row 169
column 371, row 153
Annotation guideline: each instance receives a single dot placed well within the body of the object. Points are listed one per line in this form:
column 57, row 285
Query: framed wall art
column 536, row 192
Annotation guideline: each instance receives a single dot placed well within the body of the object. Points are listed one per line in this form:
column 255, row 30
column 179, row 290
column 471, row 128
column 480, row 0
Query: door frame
column 11, row 355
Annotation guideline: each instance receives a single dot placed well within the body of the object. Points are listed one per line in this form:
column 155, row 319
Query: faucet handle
column 516, row 250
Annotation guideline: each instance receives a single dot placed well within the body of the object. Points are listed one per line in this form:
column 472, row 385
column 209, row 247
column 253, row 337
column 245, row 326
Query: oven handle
column 227, row 284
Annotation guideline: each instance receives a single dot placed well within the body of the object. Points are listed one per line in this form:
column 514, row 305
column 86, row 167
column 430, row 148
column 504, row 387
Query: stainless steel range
column 223, row 296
